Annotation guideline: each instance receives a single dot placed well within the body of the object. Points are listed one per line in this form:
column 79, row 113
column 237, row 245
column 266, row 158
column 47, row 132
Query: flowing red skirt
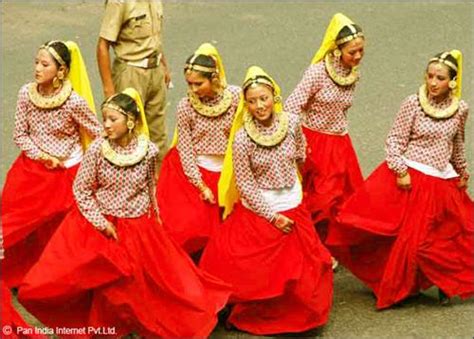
column 331, row 174
column 34, row 202
column 186, row 217
column 398, row 242
column 282, row 282
column 142, row 283
column 11, row 323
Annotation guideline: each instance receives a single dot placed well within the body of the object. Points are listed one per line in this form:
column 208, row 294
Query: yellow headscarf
column 227, row 187
column 142, row 126
column 337, row 23
column 209, row 50
column 80, row 83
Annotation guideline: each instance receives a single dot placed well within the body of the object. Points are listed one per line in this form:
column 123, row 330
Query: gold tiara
column 115, row 107
column 442, row 58
column 53, row 52
column 258, row 80
column 354, row 34
column 193, row 67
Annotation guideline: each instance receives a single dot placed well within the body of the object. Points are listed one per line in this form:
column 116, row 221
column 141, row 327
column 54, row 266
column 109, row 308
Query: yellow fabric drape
column 227, row 188
column 142, row 127
column 209, row 50
column 338, row 22
column 458, row 56
column 80, row 83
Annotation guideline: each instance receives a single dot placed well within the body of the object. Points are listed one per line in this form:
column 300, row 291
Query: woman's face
column 45, row 68
column 260, row 100
column 437, row 80
column 115, row 124
column 353, row 52
column 199, row 84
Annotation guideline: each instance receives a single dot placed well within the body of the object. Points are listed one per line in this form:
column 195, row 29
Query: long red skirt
column 331, row 174
column 34, row 202
column 186, row 217
column 12, row 324
column 142, row 283
column 398, row 242
column 282, row 282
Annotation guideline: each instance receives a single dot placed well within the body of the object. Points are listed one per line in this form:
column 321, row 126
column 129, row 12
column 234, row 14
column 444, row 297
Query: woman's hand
column 283, row 223
column 50, row 162
column 206, row 193
column 404, row 181
column 462, row 183
column 110, row 231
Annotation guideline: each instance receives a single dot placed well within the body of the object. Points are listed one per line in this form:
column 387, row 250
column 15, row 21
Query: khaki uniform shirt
column 133, row 27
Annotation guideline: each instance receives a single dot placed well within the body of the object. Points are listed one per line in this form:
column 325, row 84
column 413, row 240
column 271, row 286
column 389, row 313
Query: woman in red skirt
column 110, row 264
column 187, row 186
column 331, row 171
column 267, row 248
column 411, row 225
column 50, row 114
column 12, row 324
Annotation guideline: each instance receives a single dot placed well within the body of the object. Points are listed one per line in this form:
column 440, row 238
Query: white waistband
column 447, row 173
column 212, row 163
column 74, row 158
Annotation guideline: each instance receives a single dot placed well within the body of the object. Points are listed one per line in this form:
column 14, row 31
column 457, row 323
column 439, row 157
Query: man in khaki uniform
column 133, row 29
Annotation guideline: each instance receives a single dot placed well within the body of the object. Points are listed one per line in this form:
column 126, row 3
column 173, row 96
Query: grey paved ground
column 281, row 37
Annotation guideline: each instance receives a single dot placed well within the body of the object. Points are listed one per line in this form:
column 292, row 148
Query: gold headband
column 192, row 67
column 354, row 34
column 258, row 80
column 442, row 59
column 53, row 52
column 115, row 107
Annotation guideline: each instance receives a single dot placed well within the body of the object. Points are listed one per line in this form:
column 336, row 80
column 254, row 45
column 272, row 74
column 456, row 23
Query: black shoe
column 443, row 298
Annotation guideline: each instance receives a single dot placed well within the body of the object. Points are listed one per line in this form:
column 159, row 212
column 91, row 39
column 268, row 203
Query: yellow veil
column 209, row 50
column 337, row 23
column 80, row 83
column 458, row 56
column 227, row 188
column 142, row 127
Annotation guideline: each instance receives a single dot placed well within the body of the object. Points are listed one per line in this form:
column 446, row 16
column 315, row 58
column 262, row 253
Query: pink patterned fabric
column 53, row 131
column 433, row 142
column 257, row 167
column 102, row 188
column 201, row 135
column 322, row 103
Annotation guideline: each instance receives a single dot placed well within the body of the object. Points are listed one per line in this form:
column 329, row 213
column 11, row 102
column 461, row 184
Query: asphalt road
column 281, row 37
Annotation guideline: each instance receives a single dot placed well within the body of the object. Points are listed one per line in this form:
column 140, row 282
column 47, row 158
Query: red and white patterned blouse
column 201, row 135
column 271, row 168
column 102, row 188
column 322, row 103
column 433, row 142
column 53, row 131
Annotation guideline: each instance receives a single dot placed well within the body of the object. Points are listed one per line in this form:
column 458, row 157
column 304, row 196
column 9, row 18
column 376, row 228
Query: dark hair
column 125, row 102
column 451, row 59
column 201, row 60
column 347, row 31
column 60, row 48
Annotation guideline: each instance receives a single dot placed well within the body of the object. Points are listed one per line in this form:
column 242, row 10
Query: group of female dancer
column 251, row 189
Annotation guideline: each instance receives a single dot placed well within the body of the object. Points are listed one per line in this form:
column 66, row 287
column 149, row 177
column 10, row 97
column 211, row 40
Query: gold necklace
column 49, row 102
column 266, row 140
column 211, row 111
column 124, row 160
column 339, row 79
column 435, row 112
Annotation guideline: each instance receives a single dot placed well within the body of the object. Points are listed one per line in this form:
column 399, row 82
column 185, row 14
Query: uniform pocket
column 140, row 26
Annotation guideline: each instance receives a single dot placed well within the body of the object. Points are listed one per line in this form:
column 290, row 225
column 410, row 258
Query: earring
column 61, row 76
column 130, row 126
column 277, row 99
column 337, row 53
column 56, row 82
column 452, row 84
